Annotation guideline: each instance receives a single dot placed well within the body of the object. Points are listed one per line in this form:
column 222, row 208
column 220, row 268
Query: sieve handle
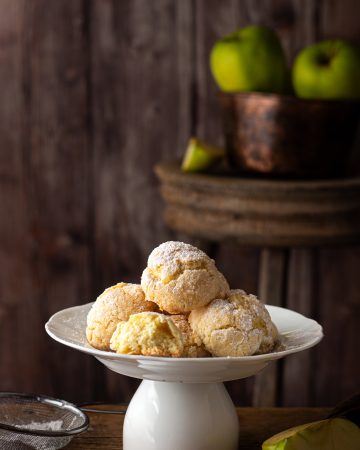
column 90, row 407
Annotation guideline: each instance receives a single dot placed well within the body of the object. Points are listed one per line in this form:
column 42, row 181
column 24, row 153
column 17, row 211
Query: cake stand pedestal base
column 181, row 416
column 185, row 407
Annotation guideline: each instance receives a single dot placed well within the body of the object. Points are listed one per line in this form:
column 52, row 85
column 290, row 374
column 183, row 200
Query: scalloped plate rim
column 318, row 335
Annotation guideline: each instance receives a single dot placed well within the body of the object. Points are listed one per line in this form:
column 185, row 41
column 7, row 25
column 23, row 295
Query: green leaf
column 329, row 434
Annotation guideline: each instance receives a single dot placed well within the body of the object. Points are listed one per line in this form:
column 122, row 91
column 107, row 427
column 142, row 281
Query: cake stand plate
column 182, row 403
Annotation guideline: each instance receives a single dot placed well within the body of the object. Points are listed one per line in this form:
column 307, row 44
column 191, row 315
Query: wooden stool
column 275, row 215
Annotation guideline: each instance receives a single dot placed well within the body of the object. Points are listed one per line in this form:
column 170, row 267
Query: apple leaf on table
column 340, row 431
column 328, row 434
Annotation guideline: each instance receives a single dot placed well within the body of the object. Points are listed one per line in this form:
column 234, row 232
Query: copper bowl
column 287, row 136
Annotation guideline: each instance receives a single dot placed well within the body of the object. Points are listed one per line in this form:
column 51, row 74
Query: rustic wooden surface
column 272, row 290
column 270, row 213
column 94, row 93
column 256, row 425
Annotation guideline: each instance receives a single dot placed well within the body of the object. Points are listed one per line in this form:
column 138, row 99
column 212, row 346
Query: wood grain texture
column 132, row 131
column 256, row 425
column 15, row 246
column 338, row 309
column 302, row 296
column 272, row 290
column 341, row 20
column 261, row 212
column 337, row 306
column 58, row 178
column 48, row 223
column 94, row 93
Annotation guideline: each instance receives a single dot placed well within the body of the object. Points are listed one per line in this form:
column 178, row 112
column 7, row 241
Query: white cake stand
column 182, row 403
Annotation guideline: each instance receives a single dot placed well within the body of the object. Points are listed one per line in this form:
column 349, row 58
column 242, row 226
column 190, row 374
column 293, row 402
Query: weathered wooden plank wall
column 93, row 94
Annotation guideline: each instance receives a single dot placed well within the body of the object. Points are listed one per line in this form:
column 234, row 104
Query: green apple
column 250, row 59
column 200, row 156
column 330, row 434
column 328, row 70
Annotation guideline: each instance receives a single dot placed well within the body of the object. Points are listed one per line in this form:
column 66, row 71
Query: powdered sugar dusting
column 180, row 277
column 53, row 425
column 237, row 326
column 172, row 254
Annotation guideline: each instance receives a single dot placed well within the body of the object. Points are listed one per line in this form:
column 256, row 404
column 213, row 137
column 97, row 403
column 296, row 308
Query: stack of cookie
column 183, row 308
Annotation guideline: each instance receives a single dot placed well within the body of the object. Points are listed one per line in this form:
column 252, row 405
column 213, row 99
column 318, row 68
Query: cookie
column 149, row 334
column 237, row 326
column 180, row 278
column 193, row 346
column 114, row 305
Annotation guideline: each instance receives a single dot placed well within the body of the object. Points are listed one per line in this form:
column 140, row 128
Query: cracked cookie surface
column 193, row 345
column 237, row 326
column 114, row 305
column 148, row 334
column 180, row 278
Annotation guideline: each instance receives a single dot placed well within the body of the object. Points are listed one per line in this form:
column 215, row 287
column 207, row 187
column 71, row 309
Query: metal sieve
column 38, row 422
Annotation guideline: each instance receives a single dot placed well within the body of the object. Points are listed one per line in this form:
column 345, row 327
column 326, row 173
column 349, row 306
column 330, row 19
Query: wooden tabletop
column 256, row 425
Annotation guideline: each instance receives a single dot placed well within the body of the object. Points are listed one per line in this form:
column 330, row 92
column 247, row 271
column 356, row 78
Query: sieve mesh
column 38, row 422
